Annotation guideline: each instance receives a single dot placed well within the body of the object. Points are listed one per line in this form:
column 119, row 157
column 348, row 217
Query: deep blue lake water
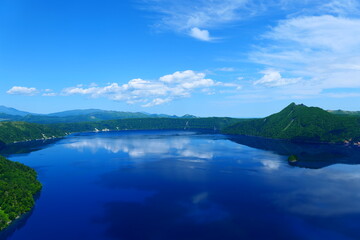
column 185, row 185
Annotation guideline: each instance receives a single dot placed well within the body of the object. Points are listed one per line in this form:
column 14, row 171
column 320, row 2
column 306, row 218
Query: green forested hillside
column 8, row 117
column 302, row 123
column 148, row 123
column 295, row 122
column 18, row 184
column 21, row 131
column 343, row 112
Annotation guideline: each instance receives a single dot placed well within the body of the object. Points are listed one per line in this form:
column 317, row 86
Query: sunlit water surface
column 184, row 185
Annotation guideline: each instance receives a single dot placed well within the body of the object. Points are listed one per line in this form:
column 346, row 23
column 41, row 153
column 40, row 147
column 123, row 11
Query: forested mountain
column 302, row 123
column 18, row 184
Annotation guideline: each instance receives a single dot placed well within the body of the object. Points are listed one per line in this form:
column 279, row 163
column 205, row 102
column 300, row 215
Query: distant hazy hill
column 342, row 112
column 302, row 123
column 72, row 116
column 12, row 111
column 74, row 112
column 77, row 116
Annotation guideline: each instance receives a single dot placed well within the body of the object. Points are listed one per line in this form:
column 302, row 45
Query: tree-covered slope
column 9, row 117
column 302, row 123
column 212, row 123
column 21, row 131
column 343, row 112
column 18, row 184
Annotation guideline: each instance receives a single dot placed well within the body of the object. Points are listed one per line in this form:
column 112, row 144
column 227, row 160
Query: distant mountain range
column 82, row 115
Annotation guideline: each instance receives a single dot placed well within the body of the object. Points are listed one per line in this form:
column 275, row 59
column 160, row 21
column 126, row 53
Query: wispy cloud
column 226, row 69
column 18, row 90
column 150, row 93
column 323, row 50
column 342, row 7
column 196, row 17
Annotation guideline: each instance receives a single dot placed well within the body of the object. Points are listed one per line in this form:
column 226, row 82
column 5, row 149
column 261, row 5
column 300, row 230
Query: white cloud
column 182, row 76
column 202, row 35
column 18, row 90
column 150, row 93
column 192, row 16
column 49, row 94
column 226, row 69
column 323, row 50
column 273, row 78
column 157, row 101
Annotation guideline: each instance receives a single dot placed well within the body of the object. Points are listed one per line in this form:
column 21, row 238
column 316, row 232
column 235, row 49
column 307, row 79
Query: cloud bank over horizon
column 147, row 93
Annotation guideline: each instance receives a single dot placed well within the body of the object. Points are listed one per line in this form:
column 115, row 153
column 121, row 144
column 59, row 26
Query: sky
column 237, row 58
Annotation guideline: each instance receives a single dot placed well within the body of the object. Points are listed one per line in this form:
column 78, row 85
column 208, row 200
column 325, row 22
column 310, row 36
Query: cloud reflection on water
column 180, row 146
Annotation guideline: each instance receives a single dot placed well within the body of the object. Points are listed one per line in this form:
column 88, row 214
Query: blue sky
column 240, row 58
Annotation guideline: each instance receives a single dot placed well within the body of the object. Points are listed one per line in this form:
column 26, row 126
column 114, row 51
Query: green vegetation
column 18, row 184
column 292, row 158
column 295, row 122
column 302, row 123
column 213, row 123
column 21, row 131
column 342, row 112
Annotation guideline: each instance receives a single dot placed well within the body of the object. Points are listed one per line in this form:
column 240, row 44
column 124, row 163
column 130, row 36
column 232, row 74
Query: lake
column 188, row 185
